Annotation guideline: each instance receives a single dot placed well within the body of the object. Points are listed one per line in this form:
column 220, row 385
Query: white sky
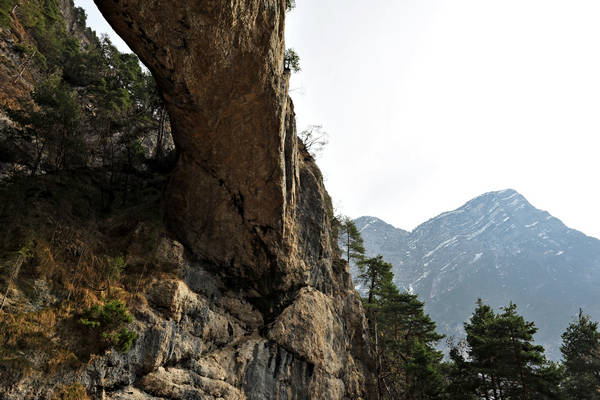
column 429, row 103
column 96, row 21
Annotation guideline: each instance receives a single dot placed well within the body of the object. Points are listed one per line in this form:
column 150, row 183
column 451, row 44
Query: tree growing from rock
column 314, row 139
column 291, row 60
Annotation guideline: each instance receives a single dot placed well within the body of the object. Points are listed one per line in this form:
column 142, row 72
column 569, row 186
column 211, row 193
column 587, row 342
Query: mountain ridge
column 444, row 213
column 497, row 246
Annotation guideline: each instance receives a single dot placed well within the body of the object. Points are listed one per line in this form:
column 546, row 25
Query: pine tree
column 403, row 337
column 122, row 107
column 408, row 341
column 351, row 240
column 51, row 127
column 581, row 359
column 502, row 362
column 517, row 358
column 482, row 351
column 462, row 381
column 375, row 275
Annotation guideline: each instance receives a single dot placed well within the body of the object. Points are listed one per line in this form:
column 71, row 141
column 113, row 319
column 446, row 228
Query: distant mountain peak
column 497, row 206
column 501, row 248
column 367, row 221
column 504, row 196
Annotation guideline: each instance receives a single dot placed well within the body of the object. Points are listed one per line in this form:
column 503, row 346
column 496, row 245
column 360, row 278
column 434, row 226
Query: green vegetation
column 50, row 127
column 408, row 338
column 376, row 275
column 122, row 108
column 497, row 360
column 291, row 4
column 291, row 60
column 78, row 252
column 403, row 337
column 83, row 170
column 93, row 105
column 501, row 361
column 44, row 22
column 108, row 321
column 581, row 354
column 94, row 110
column 353, row 246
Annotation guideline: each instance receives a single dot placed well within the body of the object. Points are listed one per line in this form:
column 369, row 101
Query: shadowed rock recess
column 265, row 309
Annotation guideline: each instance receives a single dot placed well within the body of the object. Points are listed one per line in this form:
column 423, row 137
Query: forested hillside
column 76, row 101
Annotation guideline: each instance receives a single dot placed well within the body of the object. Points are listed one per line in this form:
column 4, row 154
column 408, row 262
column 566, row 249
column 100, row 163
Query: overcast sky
column 429, row 103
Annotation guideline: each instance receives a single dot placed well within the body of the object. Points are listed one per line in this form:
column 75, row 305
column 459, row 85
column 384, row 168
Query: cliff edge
column 245, row 200
column 124, row 278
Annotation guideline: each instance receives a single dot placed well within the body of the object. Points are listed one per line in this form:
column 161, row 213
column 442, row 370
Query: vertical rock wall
column 246, row 201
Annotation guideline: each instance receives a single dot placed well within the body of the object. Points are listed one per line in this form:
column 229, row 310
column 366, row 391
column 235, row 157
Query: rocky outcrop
column 220, row 68
column 248, row 298
column 265, row 310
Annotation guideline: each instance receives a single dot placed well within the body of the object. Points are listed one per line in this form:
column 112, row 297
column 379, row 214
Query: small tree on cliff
column 314, row 139
column 291, row 60
column 291, row 4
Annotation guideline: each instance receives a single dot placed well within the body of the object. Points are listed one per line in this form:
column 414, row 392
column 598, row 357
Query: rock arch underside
column 265, row 309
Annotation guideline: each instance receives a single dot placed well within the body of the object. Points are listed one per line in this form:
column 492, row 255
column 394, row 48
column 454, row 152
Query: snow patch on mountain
column 476, row 258
column 441, row 246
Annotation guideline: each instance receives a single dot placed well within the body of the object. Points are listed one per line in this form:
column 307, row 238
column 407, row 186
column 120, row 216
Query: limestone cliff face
column 250, row 206
column 220, row 67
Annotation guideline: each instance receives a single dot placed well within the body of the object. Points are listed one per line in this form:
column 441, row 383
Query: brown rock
column 249, row 204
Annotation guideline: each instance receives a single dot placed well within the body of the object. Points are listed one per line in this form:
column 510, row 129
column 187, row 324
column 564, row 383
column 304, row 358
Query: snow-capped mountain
column 500, row 248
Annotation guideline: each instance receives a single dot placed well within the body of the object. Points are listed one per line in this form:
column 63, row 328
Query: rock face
column 500, row 248
column 250, row 206
column 219, row 65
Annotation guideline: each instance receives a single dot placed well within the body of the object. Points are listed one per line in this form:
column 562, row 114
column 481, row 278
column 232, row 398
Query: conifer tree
column 502, row 362
column 351, row 240
column 462, row 381
column 51, row 127
column 121, row 108
column 408, row 341
column 403, row 337
column 481, row 351
column 517, row 357
column 581, row 358
column 375, row 275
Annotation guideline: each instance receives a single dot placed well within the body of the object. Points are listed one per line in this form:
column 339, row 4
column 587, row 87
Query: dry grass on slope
column 69, row 242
